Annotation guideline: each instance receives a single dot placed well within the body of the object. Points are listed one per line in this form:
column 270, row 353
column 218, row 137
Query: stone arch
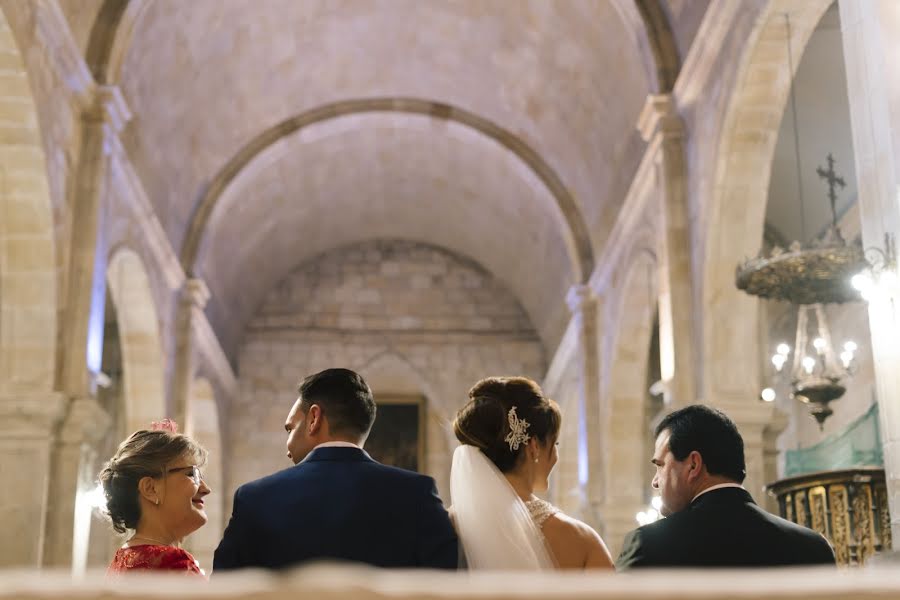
column 626, row 472
column 142, row 357
column 650, row 31
column 734, row 229
column 28, row 279
column 110, row 38
column 390, row 372
column 577, row 235
column 205, row 427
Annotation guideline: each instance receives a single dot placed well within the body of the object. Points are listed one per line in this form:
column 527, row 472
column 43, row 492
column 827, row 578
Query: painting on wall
column 398, row 436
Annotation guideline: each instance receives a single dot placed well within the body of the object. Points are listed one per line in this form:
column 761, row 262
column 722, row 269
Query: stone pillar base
column 28, row 423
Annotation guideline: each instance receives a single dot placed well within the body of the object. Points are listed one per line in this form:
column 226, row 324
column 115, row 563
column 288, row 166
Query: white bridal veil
column 495, row 528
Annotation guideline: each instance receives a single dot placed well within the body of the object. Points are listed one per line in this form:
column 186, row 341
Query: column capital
column 195, row 292
column 86, row 421
column 109, row 107
column 30, row 415
column 579, row 297
column 660, row 117
column 116, row 111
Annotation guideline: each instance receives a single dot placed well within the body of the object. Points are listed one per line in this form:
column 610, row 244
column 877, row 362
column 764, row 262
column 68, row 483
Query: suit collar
column 337, row 453
column 723, row 495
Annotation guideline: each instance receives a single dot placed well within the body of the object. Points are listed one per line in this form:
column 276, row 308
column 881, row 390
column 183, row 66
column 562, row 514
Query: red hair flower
column 164, row 425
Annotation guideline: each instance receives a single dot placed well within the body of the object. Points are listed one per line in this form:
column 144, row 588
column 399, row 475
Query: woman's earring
column 156, row 501
column 535, row 459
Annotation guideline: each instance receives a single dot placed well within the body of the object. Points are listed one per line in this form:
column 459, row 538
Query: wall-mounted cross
column 832, row 178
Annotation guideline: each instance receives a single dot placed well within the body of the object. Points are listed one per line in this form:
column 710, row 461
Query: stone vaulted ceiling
column 503, row 131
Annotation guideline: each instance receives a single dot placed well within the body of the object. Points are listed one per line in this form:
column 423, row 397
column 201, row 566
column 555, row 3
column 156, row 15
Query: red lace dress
column 152, row 557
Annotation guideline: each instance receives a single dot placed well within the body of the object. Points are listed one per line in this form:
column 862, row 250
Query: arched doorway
column 143, row 384
column 397, row 385
column 738, row 201
column 627, row 484
column 130, row 390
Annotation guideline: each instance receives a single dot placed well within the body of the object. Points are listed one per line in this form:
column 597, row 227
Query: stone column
column 759, row 423
column 83, row 326
column 871, row 37
column 75, row 467
column 593, row 415
column 662, row 129
column 193, row 298
column 82, row 336
column 777, row 424
column 27, row 431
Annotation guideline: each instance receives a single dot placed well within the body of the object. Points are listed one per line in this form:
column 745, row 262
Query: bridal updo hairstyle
column 484, row 421
column 144, row 454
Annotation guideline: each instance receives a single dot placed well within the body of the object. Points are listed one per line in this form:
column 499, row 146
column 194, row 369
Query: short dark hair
column 145, row 453
column 345, row 400
column 711, row 433
column 484, row 421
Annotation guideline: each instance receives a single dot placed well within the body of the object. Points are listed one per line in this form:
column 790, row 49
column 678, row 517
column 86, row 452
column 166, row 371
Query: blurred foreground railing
column 327, row 582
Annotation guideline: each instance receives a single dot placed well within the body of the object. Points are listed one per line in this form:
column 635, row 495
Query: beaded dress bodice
column 540, row 510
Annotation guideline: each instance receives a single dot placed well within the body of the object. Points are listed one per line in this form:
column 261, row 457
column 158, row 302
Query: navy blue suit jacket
column 338, row 504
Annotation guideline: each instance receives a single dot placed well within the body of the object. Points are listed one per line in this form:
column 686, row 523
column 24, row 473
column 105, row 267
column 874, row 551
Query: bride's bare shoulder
column 564, row 525
column 575, row 543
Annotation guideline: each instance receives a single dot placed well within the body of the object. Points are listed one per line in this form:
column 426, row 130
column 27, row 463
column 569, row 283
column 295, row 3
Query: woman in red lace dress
column 154, row 489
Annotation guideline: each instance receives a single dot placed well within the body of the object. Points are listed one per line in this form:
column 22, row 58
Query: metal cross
column 831, row 177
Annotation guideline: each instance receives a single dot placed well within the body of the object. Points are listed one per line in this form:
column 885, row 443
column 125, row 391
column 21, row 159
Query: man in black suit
column 336, row 503
column 711, row 519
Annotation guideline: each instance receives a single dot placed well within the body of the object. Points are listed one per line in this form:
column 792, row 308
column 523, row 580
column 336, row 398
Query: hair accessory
column 164, row 425
column 517, row 426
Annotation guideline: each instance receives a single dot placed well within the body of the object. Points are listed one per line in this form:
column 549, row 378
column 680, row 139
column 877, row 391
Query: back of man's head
column 711, row 433
column 345, row 399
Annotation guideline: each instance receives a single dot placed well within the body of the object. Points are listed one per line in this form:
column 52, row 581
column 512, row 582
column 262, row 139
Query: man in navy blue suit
column 336, row 503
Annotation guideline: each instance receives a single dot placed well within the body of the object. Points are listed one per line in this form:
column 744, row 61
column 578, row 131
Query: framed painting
column 398, row 435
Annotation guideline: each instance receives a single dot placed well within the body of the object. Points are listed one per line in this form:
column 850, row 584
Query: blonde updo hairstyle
column 144, row 454
column 484, row 421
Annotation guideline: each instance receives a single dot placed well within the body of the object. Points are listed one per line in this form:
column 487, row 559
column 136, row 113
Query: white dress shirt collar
column 717, row 487
column 335, row 444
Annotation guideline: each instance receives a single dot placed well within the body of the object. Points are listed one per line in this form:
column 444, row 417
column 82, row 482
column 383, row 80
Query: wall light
column 652, row 514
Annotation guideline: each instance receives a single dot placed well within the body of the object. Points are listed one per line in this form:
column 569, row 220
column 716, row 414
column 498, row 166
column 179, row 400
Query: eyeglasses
column 192, row 471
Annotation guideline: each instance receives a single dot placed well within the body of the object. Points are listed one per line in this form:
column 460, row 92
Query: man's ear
column 695, row 465
column 314, row 419
column 148, row 488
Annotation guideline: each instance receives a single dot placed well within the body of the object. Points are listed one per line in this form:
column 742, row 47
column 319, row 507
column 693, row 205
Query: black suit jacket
column 723, row 528
column 338, row 504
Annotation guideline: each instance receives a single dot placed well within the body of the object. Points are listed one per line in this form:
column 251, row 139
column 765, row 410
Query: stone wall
column 410, row 317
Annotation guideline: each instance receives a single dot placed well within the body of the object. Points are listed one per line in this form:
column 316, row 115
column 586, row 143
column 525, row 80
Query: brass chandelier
column 810, row 276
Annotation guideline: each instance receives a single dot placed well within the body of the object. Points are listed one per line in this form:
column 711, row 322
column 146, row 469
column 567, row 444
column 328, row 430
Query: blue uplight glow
column 582, row 443
column 98, row 310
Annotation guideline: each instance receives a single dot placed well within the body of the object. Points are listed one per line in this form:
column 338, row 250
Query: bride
column 509, row 432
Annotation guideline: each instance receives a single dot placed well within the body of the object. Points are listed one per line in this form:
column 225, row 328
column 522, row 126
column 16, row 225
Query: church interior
column 639, row 204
